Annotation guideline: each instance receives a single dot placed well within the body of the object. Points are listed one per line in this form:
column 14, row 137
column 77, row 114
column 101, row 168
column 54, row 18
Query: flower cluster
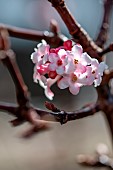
column 67, row 65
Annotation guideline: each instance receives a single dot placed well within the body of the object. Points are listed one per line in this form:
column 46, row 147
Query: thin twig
column 107, row 50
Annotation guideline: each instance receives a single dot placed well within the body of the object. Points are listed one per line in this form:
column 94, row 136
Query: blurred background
column 57, row 148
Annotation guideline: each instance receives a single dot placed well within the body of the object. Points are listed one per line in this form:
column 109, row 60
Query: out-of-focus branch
column 104, row 29
column 107, row 77
column 107, row 50
column 21, row 89
column 8, row 107
column 53, row 38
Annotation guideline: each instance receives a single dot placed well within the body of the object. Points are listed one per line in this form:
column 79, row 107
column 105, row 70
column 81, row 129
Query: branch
column 21, row 89
column 7, row 57
column 32, row 113
column 63, row 116
column 107, row 77
column 103, row 34
column 77, row 32
column 8, row 107
column 107, row 50
column 53, row 38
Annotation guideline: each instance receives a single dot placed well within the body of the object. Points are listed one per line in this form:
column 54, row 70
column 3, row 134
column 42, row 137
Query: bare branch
column 32, row 113
column 107, row 50
column 108, row 75
column 21, row 88
column 63, row 116
column 77, row 32
column 8, row 107
column 52, row 38
column 104, row 29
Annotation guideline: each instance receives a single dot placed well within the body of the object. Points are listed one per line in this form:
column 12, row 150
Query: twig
column 104, row 29
column 63, row 116
column 107, row 50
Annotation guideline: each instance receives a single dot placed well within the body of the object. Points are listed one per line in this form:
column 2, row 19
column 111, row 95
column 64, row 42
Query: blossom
column 81, row 60
column 58, row 61
column 48, row 93
column 70, row 81
column 67, row 65
column 41, row 51
column 98, row 69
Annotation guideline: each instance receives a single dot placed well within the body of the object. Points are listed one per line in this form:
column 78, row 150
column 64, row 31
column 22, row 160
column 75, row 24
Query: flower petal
column 97, row 81
column 61, row 53
column 70, row 67
column 52, row 66
column 63, row 83
column 74, row 89
column 48, row 93
column 86, row 59
column 43, row 48
column 94, row 62
column 60, row 70
column 80, row 68
column 101, row 68
column 77, row 49
column 53, row 58
column 68, row 45
column 34, row 57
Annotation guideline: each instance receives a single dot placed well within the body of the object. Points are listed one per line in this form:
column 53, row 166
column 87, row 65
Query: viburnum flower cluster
column 68, row 66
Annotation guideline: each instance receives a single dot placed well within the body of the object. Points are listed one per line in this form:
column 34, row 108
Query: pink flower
column 86, row 78
column 49, row 82
column 58, row 61
column 39, row 72
column 67, row 65
column 43, row 69
column 81, row 60
column 97, row 71
column 41, row 51
column 37, row 77
column 71, row 82
column 68, row 45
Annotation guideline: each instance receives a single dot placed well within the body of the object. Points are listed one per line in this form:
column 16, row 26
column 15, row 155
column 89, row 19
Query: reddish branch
column 104, row 29
column 107, row 50
column 53, row 38
column 77, row 32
